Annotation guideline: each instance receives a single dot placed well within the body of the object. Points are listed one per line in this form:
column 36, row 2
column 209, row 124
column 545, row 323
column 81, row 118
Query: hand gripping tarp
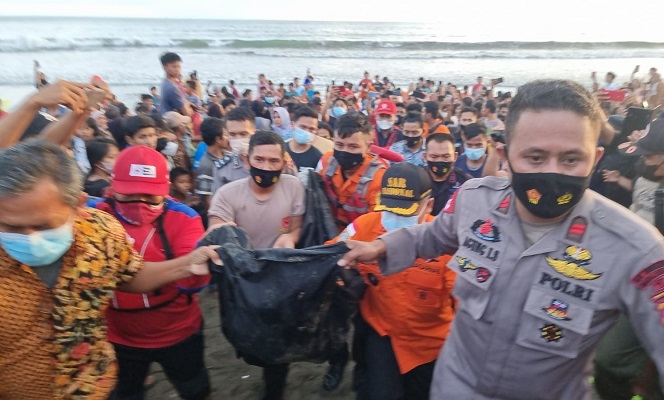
column 283, row 305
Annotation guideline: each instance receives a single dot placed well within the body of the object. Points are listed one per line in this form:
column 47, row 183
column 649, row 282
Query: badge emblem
column 551, row 333
column 557, row 310
column 481, row 274
column 534, row 196
column 564, row 199
column 486, row 230
column 572, row 264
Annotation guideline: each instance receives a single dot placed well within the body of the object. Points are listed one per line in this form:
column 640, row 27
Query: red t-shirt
column 178, row 320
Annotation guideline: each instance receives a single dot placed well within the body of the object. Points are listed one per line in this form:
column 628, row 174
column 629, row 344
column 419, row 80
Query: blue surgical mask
column 269, row 100
column 40, row 248
column 339, row 111
column 302, row 137
column 392, row 221
column 475, row 154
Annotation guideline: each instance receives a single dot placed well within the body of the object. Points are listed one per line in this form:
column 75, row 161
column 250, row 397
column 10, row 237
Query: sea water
column 125, row 52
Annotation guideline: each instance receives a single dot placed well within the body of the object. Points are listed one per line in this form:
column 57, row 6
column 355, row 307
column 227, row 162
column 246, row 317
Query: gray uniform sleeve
column 643, row 299
column 428, row 240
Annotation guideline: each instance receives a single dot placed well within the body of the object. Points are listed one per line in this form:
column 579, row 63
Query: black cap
column 404, row 186
column 651, row 143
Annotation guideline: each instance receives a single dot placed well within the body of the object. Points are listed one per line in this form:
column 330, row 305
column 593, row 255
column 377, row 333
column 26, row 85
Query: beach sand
column 233, row 379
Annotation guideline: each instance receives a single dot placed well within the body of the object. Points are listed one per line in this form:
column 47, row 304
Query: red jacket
column 179, row 319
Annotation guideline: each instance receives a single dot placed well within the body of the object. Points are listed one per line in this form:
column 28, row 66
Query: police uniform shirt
column 530, row 316
column 229, row 172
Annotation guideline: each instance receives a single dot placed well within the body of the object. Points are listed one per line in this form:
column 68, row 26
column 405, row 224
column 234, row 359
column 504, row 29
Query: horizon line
column 201, row 19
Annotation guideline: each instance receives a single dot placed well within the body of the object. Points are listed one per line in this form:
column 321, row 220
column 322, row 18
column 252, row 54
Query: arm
column 221, row 212
column 428, row 241
column 61, row 131
column 333, row 93
column 615, row 177
column 157, row 274
column 640, row 297
column 492, row 165
column 62, row 92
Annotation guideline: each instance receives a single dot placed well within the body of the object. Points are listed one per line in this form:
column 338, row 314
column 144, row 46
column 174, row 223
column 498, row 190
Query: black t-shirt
column 308, row 159
column 442, row 191
column 95, row 188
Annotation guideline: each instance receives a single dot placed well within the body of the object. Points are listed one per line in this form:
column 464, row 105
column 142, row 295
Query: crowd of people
column 473, row 201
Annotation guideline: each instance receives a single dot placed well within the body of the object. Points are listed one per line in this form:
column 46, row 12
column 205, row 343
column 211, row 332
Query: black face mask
column 549, row 195
column 348, row 160
column 413, row 141
column 161, row 144
column 264, row 178
column 439, row 168
column 648, row 172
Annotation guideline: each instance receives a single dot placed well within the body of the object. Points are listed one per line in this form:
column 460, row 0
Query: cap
column 140, row 170
column 386, row 107
column 175, row 119
column 404, row 186
column 651, row 143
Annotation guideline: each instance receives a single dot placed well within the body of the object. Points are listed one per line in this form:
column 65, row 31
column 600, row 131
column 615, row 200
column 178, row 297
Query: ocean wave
column 24, row 44
column 432, row 45
column 441, row 55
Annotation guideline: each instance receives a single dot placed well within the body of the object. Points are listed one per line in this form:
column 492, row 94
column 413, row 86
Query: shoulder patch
column 490, row 182
column 622, row 223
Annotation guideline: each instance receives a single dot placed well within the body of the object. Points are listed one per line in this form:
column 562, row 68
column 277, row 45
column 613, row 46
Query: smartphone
column 395, row 93
column 332, row 83
column 615, row 95
column 374, row 95
column 419, row 95
column 341, row 88
column 496, row 81
column 440, row 83
column 94, row 97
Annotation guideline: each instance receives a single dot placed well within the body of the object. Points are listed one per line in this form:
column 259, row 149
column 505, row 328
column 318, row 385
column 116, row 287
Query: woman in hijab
column 281, row 123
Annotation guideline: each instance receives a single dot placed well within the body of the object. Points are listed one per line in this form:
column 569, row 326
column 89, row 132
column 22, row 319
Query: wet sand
column 233, row 379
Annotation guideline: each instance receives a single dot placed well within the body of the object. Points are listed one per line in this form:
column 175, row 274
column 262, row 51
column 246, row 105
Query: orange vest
column 415, row 307
column 355, row 196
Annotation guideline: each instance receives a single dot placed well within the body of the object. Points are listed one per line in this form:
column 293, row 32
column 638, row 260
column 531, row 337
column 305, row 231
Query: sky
column 552, row 14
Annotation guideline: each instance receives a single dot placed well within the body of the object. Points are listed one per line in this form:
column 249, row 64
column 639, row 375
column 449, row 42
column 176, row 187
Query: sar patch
column 573, row 264
column 481, row 274
column 551, row 333
column 486, row 230
column 557, row 310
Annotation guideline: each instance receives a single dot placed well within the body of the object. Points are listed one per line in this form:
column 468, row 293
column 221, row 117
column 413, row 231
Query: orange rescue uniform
column 355, row 196
column 415, row 308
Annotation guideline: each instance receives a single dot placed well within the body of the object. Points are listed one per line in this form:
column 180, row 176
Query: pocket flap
column 552, row 308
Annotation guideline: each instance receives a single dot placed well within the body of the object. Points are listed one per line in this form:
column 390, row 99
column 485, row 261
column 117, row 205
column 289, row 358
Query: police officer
column 241, row 125
column 350, row 173
column 543, row 265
